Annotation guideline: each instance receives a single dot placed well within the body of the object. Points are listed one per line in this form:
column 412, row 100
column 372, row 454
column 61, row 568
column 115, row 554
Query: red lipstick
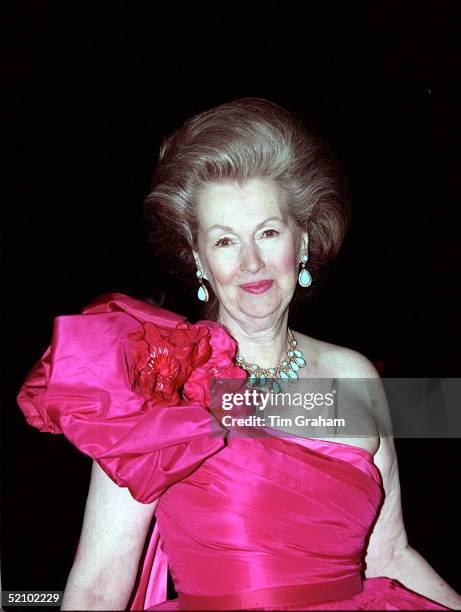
column 259, row 287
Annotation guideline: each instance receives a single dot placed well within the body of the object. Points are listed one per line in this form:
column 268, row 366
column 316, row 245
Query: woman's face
column 248, row 247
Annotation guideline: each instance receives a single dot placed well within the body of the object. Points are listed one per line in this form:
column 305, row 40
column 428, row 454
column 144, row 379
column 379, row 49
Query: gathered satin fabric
column 265, row 522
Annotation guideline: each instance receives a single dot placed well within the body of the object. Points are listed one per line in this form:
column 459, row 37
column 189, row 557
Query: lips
column 259, row 287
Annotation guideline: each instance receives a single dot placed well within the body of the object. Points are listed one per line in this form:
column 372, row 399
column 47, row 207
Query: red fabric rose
column 163, row 359
column 220, row 366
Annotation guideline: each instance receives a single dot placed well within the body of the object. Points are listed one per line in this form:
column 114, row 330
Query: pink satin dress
column 273, row 522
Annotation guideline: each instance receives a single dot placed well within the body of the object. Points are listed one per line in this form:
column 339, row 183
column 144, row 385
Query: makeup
column 259, row 287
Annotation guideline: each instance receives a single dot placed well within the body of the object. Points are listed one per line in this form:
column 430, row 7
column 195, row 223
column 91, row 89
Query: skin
column 246, row 235
column 259, row 241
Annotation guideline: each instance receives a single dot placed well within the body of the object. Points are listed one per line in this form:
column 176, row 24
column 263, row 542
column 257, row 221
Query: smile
column 259, row 287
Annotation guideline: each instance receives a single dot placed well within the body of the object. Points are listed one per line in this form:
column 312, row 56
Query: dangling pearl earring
column 202, row 292
column 304, row 278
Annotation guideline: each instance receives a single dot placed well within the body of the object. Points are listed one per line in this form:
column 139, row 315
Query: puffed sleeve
column 110, row 382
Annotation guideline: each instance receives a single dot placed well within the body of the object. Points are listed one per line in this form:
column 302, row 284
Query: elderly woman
column 251, row 207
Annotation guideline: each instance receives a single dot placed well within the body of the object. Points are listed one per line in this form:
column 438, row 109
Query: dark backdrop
column 91, row 88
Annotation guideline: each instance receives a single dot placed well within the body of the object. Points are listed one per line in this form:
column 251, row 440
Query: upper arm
column 113, row 534
column 388, row 533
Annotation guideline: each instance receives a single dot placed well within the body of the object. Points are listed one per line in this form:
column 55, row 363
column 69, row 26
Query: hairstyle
column 237, row 141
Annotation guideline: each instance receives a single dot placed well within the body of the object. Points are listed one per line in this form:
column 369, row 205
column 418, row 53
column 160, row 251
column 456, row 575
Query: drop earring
column 304, row 278
column 202, row 292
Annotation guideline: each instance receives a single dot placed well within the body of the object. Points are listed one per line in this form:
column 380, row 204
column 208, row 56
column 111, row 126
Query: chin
column 260, row 308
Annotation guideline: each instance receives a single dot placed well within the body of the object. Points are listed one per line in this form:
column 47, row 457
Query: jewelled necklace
column 286, row 371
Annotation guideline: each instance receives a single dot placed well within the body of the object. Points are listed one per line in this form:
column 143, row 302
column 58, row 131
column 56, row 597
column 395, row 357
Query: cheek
column 284, row 259
column 222, row 269
column 286, row 263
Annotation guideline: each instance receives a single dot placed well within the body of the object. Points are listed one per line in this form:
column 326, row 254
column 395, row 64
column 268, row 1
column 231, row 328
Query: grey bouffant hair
column 237, row 141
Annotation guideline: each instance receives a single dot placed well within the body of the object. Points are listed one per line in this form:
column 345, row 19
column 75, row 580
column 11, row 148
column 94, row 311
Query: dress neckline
column 350, row 454
column 284, row 434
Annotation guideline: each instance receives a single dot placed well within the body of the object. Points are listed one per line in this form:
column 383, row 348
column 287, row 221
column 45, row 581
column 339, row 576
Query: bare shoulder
column 363, row 402
column 328, row 360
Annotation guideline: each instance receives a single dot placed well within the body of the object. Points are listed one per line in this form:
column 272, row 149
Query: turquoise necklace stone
column 287, row 370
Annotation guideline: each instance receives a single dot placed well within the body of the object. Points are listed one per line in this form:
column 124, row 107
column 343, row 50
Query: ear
column 303, row 244
column 199, row 264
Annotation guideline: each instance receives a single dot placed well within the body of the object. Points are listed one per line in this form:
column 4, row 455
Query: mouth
column 259, row 287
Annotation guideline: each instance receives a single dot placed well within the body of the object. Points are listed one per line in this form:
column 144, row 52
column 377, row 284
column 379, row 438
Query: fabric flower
column 220, row 366
column 163, row 359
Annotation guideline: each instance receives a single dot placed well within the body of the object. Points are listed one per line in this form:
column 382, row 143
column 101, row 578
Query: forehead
column 236, row 204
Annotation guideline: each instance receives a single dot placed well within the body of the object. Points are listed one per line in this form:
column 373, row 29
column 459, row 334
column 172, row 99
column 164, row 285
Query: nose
column 251, row 260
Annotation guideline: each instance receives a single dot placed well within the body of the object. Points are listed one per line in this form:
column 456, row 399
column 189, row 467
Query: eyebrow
column 230, row 229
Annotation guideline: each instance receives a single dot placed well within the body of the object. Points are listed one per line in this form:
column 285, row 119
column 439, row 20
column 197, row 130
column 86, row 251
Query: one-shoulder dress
column 269, row 523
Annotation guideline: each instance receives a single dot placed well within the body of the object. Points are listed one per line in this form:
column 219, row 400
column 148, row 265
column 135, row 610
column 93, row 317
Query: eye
column 223, row 242
column 270, row 233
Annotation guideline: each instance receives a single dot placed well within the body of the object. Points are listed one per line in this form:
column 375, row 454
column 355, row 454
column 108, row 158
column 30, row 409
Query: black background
column 91, row 88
